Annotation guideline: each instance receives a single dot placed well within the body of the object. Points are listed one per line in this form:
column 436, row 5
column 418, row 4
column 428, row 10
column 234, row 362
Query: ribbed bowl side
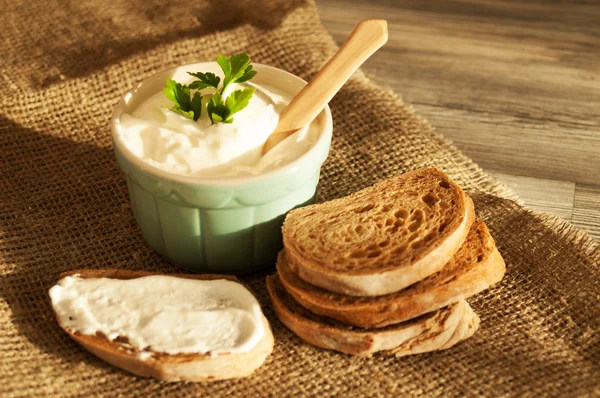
column 228, row 239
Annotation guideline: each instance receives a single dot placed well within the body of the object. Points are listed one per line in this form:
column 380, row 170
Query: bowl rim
column 324, row 139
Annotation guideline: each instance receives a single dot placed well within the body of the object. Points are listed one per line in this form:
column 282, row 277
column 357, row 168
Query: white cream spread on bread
column 162, row 314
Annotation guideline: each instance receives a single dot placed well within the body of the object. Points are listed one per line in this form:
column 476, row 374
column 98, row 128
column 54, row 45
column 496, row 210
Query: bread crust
column 171, row 367
column 438, row 330
column 376, row 277
column 476, row 266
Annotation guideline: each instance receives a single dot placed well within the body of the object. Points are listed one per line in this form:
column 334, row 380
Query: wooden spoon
column 365, row 39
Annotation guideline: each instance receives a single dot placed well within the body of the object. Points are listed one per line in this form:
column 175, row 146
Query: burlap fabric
column 64, row 206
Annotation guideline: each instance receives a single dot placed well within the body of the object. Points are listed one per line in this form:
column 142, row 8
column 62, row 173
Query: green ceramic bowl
column 218, row 225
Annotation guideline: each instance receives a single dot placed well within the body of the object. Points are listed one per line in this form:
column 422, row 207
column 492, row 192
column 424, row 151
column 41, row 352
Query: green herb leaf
column 188, row 114
column 248, row 74
column 170, row 90
column 205, row 80
column 239, row 63
column 216, row 108
column 180, row 95
column 197, row 105
column 236, row 101
column 225, row 64
column 235, row 69
column 216, row 118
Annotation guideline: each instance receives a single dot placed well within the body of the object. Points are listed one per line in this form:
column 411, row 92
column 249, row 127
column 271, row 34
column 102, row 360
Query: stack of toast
column 387, row 268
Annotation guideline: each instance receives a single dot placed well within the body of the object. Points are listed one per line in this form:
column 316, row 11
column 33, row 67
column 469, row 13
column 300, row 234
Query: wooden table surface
column 515, row 84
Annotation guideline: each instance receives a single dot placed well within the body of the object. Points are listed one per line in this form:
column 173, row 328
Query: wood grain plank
column 515, row 84
column 541, row 194
column 586, row 208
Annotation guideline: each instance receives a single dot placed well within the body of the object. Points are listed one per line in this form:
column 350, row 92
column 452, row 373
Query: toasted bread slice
column 437, row 330
column 475, row 267
column 381, row 239
column 171, row 367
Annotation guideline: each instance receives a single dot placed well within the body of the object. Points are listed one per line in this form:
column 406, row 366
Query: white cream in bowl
column 179, row 145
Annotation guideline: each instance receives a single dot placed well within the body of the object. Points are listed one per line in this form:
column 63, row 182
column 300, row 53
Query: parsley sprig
column 236, row 69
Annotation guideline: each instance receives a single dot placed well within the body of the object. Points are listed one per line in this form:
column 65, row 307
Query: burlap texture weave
column 64, row 206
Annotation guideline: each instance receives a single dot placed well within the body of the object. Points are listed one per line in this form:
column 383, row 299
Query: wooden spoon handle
column 366, row 38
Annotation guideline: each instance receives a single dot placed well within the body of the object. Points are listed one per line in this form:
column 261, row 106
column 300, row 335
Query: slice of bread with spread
column 121, row 351
column 437, row 330
column 476, row 266
column 381, row 239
